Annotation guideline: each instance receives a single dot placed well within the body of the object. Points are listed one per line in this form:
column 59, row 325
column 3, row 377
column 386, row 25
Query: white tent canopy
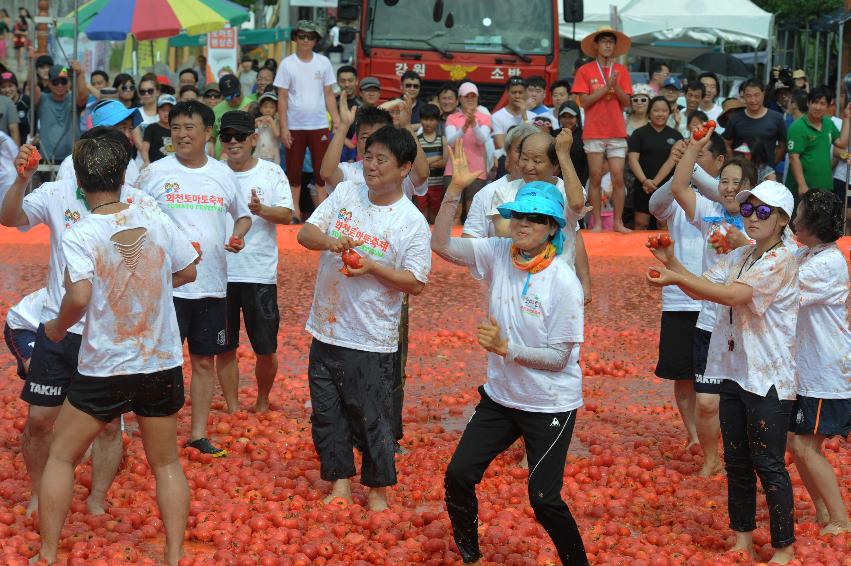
column 734, row 21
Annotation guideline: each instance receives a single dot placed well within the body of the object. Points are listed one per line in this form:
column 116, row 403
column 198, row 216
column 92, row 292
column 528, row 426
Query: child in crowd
column 752, row 354
column 156, row 141
column 268, row 130
column 823, row 408
column 696, row 120
column 20, row 329
column 607, row 211
column 435, row 150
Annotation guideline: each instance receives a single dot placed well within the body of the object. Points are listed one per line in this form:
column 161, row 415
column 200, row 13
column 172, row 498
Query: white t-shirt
column 132, row 326
column 551, row 312
column 56, row 205
column 8, row 153
column 268, row 145
column 824, row 341
column 66, row 171
column 353, row 172
column 26, row 315
column 478, row 224
column 508, row 191
column 258, row 261
column 360, row 312
column 305, row 84
column 502, row 120
column 708, row 218
column 763, row 330
column 688, row 249
column 198, row 201
column 841, row 169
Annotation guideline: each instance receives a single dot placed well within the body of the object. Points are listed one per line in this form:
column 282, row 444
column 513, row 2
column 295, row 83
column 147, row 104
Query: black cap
column 229, row 86
column 44, row 61
column 246, row 58
column 237, row 120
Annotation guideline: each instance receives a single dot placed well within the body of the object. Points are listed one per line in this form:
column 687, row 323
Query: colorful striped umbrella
column 153, row 19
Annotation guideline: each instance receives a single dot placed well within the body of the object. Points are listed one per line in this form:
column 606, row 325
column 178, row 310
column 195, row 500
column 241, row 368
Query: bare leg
column 201, row 389
column 159, row 436
column 821, row 481
column 75, row 430
column 35, row 446
column 296, row 190
column 377, row 499
column 685, row 400
column 107, row 450
column 265, row 370
column 618, row 192
column 708, row 432
column 595, row 191
column 822, row 516
column 340, row 488
column 228, row 371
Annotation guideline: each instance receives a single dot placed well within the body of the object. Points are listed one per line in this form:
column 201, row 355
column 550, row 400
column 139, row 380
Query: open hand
column 462, row 177
column 661, row 276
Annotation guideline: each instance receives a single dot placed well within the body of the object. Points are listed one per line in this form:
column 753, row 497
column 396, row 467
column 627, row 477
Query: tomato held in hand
column 352, row 259
column 655, row 273
column 197, row 246
column 664, row 240
column 32, row 162
column 653, row 241
column 235, row 242
column 709, row 124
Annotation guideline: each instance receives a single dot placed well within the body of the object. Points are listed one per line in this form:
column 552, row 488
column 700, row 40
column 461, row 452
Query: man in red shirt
column 604, row 90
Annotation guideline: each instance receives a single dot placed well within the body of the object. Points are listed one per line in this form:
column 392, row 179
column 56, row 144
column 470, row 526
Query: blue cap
column 673, row 82
column 539, row 197
column 112, row 112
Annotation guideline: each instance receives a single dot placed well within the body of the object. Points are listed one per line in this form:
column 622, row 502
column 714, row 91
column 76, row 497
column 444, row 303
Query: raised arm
column 330, row 167
column 572, row 184
column 455, row 250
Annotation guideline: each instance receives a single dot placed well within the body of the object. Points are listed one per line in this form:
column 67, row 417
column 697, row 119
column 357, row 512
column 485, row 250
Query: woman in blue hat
column 533, row 334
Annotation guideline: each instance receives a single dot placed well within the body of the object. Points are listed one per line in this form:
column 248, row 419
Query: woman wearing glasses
column 149, row 91
column 638, row 114
column 752, row 353
column 126, row 87
column 532, row 334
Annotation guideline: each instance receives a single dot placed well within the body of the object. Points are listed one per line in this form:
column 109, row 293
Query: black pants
column 399, row 361
column 491, row 430
column 350, row 395
column 754, row 432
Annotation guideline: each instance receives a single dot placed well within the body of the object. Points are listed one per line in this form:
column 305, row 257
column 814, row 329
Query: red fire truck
column 484, row 41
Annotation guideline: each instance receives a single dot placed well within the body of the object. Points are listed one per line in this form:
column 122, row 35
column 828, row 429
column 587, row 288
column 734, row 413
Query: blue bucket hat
column 539, row 197
column 112, row 112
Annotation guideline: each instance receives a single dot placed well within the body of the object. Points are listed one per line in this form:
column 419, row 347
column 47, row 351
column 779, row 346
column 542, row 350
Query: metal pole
column 839, row 61
column 75, row 118
column 827, row 63
column 769, row 48
column 816, row 73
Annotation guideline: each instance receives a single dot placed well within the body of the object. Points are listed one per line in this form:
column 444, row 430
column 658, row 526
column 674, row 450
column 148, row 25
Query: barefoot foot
column 341, row 489
column 33, row 506
column 95, row 507
column 622, row 229
column 783, row 555
column 834, row 528
column 524, row 463
column 710, row 468
column 261, row 406
column 377, row 499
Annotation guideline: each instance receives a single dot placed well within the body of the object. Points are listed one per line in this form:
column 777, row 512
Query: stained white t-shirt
column 131, row 325
column 551, row 312
column 198, row 201
column 56, row 205
column 824, row 341
column 688, row 249
column 763, row 330
column 708, row 218
column 353, row 172
column 66, row 171
column 361, row 312
column 8, row 153
column 305, row 84
column 258, row 261
column 478, row 223
column 502, row 120
column 507, row 193
column 26, row 315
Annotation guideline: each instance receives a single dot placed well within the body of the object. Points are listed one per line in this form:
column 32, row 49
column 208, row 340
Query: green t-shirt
column 815, row 148
column 219, row 110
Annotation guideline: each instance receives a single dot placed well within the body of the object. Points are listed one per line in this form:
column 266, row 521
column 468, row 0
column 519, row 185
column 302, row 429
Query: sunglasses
column 227, row 137
column 640, row 99
column 533, row 218
column 128, row 87
column 763, row 211
column 213, row 95
column 59, row 82
column 411, row 85
column 304, row 36
column 144, row 91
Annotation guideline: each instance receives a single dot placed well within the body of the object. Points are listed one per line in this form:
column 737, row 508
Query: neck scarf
column 534, row 264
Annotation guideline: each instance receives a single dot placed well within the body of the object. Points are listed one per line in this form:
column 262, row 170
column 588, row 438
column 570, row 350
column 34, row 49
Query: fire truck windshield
column 495, row 26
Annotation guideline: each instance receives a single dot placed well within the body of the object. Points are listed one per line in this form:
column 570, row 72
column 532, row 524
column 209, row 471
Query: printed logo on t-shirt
column 372, row 245
column 176, row 199
column 172, row 187
column 71, row 217
column 532, row 305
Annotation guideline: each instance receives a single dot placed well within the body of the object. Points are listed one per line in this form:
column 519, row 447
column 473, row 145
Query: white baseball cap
column 771, row 193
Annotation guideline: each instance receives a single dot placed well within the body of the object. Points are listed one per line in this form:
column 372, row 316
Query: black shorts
column 676, row 338
column 20, row 343
column 701, row 352
column 158, row 394
column 52, row 369
column 827, row 417
column 259, row 305
column 203, row 322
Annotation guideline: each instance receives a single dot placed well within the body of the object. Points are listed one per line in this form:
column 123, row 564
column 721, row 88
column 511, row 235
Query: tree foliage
column 802, row 11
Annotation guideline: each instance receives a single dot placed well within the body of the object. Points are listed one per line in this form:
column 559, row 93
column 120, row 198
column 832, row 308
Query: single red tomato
column 352, row 259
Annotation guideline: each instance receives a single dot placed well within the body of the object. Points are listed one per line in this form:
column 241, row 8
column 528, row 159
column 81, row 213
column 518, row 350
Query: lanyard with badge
column 605, row 78
column 731, row 344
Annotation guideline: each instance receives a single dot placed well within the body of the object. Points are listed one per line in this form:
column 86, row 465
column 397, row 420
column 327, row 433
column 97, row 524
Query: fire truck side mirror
column 348, row 10
column 573, row 11
column 347, row 35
